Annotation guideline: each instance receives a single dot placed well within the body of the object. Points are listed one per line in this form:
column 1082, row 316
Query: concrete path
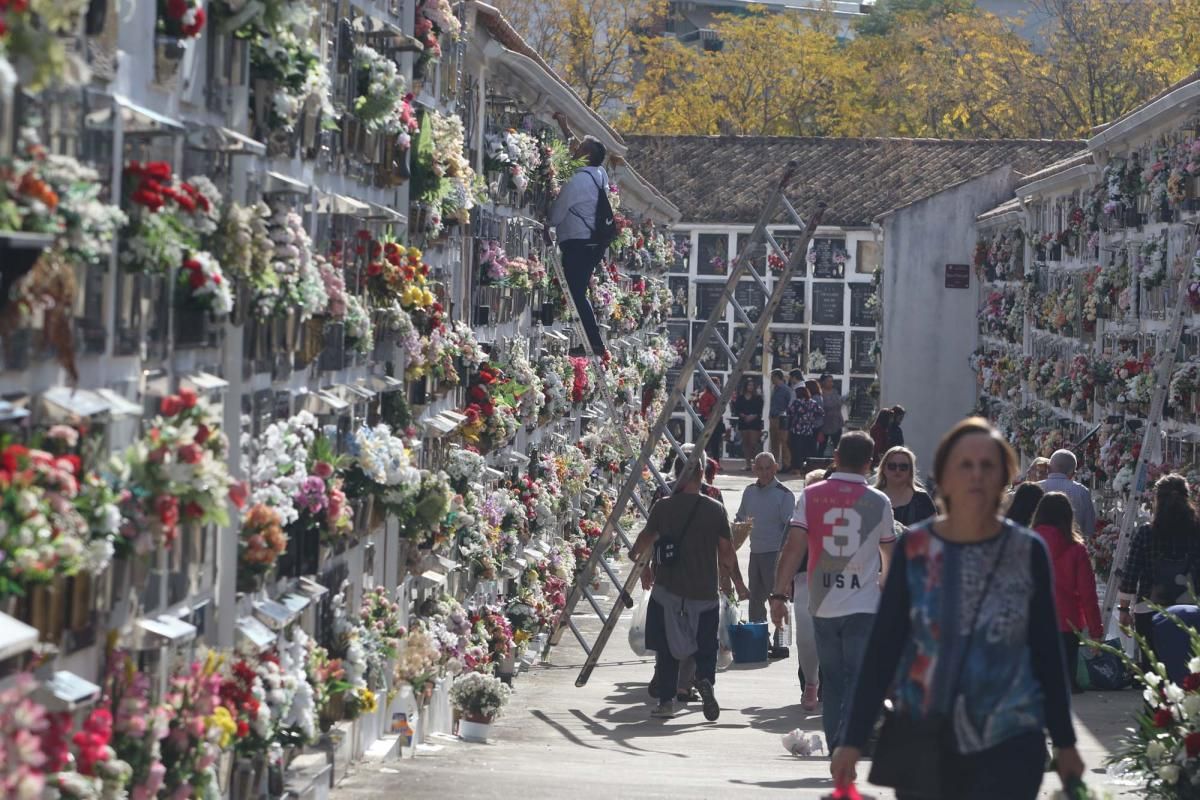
column 598, row 741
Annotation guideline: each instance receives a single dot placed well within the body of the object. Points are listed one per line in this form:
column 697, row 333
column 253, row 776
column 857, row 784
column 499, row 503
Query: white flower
column 1155, row 751
column 1194, row 664
column 1174, row 693
column 1169, row 773
column 1152, row 679
column 1191, row 705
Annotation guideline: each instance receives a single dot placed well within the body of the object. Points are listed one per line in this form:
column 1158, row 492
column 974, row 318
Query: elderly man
column 1062, row 479
column 768, row 504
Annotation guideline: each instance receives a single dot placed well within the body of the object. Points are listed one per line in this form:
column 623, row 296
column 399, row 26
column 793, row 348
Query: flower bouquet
column 181, row 19
column 261, row 540
column 139, row 726
column 478, row 697
column 200, row 727
column 382, row 468
column 381, row 89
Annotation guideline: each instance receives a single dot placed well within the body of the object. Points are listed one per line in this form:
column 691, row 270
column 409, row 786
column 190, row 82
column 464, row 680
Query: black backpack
column 604, row 227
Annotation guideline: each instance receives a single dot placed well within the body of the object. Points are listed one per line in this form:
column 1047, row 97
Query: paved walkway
column 598, row 741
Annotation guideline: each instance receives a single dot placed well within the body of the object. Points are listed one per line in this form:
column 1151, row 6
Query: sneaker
column 688, row 697
column 711, row 708
column 664, row 710
column 810, row 700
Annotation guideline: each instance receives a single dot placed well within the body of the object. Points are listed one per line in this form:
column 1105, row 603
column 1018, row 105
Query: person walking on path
column 573, row 216
column 768, row 504
column 897, row 478
column 1163, row 556
column 895, row 436
column 781, row 398
column 693, row 548
column 1039, row 469
column 846, row 528
column 879, row 434
column 1023, row 503
column 974, row 662
column 706, row 403
column 805, row 416
column 1074, row 580
column 748, row 408
column 1062, row 479
column 809, row 662
column 832, row 401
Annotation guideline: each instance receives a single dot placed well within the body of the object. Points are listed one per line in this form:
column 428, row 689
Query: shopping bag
column 1083, row 678
column 729, row 616
column 1106, row 672
column 637, row 626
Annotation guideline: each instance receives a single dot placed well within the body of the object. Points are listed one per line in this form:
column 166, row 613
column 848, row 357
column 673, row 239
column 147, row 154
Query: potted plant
column 478, row 699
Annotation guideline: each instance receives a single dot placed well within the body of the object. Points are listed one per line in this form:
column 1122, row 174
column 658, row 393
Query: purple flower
column 311, row 496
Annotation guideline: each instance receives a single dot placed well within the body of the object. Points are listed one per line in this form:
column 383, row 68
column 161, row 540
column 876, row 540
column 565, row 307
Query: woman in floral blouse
column 805, row 416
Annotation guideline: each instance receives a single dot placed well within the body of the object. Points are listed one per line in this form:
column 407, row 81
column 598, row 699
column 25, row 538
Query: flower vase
column 168, row 55
column 378, row 517
column 83, row 595
column 247, row 779
column 18, row 254
column 312, row 339
column 507, row 667
column 474, row 730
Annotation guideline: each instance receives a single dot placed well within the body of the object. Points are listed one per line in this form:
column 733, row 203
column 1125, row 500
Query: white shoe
column 664, row 710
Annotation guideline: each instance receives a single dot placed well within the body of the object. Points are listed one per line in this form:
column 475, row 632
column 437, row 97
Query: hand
column 648, row 578
column 1070, row 765
column 842, row 767
column 1125, row 618
column 742, row 592
column 779, row 614
column 559, row 116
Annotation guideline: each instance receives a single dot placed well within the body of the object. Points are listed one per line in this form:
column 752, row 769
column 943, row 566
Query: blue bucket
column 750, row 642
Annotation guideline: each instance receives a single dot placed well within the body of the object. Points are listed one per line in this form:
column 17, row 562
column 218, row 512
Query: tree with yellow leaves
column 774, row 74
column 591, row 43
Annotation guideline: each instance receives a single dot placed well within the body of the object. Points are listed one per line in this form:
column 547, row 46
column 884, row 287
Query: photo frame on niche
column 712, row 254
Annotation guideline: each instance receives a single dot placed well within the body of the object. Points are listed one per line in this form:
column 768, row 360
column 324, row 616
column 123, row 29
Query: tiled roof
column 1075, row 160
column 726, row 179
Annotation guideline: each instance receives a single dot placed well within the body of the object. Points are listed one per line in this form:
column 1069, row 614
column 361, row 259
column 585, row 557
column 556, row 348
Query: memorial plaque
column 679, row 335
column 712, row 257
column 862, row 351
column 708, row 296
column 870, row 257
column 828, row 258
column 751, row 298
column 790, row 310
column 862, row 401
column 833, row 345
column 714, row 357
column 678, row 284
column 829, row 303
column 958, row 276
column 682, row 243
column 788, row 350
column 860, row 315
column 741, row 340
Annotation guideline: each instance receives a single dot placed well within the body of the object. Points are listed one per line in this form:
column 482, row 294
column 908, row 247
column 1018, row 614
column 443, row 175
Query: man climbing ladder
column 583, row 220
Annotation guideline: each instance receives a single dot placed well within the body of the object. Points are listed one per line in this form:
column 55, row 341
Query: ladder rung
column 762, row 284
column 795, row 215
column 595, row 606
column 741, row 312
column 708, row 381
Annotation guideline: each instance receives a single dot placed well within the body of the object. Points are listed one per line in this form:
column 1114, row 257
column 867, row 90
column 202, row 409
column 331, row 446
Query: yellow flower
column 223, row 721
column 427, row 299
column 411, row 296
column 521, row 637
column 367, row 698
column 414, row 254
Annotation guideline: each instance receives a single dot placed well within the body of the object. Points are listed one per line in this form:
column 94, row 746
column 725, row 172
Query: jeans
column 841, row 645
column 666, row 666
column 802, row 446
column 580, row 259
column 1012, row 770
column 762, row 580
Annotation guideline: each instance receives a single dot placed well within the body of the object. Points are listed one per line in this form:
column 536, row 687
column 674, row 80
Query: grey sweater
column 574, row 210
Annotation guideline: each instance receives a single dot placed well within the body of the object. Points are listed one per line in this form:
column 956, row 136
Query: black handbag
column 910, row 753
column 666, row 551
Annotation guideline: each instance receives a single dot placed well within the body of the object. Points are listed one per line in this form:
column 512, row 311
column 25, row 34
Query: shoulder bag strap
column 688, row 523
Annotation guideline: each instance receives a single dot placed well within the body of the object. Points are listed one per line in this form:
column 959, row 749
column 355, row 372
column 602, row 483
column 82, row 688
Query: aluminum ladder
column 740, row 268
column 1164, row 365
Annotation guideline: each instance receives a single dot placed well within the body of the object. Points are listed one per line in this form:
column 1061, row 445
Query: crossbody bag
column 910, row 755
column 666, row 551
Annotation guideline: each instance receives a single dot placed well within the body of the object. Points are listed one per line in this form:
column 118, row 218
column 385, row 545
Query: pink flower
column 322, row 469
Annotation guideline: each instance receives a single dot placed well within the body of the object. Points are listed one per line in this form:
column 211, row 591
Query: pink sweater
column 1074, row 583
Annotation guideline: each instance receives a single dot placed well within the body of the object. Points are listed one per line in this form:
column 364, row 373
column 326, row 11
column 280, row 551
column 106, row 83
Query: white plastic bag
column 637, row 626
column 729, row 616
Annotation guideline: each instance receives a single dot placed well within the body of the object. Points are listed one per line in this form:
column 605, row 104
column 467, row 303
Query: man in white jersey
column 846, row 528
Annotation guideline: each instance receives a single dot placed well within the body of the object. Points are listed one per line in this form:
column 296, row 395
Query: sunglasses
column 898, row 467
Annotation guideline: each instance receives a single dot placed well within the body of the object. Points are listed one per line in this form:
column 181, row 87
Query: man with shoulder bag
column 692, row 547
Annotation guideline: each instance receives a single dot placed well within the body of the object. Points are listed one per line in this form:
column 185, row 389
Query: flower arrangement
column 816, row 361
column 360, row 329
column 514, row 152
column 1185, row 382
column 382, row 467
column 168, row 218
column 435, row 19
column 400, row 272
column 302, row 287
column 138, row 727
column 199, row 728
column 479, row 697
column 278, row 465
column 283, row 57
column 204, row 283
column 381, row 91
column 493, row 263
column 177, row 470
column 182, row 19
column 261, row 541
column 294, row 705
column 418, row 660
column 244, row 248
column 34, row 745
column 492, row 626
column 1152, row 263
column 244, row 695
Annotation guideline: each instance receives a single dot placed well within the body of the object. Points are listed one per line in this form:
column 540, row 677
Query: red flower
column 13, row 455
column 188, row 397
column 1191, row 682
column 1192, row 742
column 364, row 234
column 190, row 454
column 167, row 508
column 1163, row 718
column 149, row 199
column 170, row 406
column 238, row 493
column 374, row 268
column 73, row 462
column 202, row 434
column 195, row 28
column 159, row 170
column 195, row 279
column 243, row 729
column 193, row 510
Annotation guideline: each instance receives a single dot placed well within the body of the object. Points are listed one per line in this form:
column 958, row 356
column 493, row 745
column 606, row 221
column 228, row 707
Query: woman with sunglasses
column 897, row 478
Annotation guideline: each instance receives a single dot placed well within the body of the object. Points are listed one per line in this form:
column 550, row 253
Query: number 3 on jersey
column 845, row 532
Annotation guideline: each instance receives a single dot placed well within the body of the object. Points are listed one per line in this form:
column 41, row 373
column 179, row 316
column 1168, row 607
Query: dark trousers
column 1012, row 770
column 1143, row 625
column 802, row 446
column 1071, row 651
column 666, row 666
column 580, row 259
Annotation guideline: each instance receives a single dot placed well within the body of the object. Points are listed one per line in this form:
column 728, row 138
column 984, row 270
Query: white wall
column 929, row 331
